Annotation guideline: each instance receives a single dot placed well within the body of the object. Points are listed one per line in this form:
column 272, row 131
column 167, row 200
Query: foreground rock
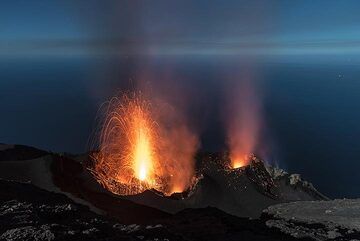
column 30, row 213
column 318, row 220
column 212, row 224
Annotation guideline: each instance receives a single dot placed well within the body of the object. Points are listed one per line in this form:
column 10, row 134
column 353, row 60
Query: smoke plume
column 244, row 119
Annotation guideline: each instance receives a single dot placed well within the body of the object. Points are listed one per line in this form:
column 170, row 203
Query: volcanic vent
column 137, row 151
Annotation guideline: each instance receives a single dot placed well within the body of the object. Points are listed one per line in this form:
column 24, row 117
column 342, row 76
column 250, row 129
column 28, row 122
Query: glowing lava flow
column 137, row 153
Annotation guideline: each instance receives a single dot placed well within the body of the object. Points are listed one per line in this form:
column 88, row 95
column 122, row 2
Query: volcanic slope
column 30, row 213
column 243, row 192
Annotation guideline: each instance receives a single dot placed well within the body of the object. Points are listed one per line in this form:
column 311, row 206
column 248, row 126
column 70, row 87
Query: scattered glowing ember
column 127, row 158
column 134, row 152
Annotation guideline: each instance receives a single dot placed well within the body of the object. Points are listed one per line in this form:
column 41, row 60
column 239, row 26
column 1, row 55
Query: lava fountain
column 134, row 151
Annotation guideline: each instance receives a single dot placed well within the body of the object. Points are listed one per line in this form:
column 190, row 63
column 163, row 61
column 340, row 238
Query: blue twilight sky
column 179, row 27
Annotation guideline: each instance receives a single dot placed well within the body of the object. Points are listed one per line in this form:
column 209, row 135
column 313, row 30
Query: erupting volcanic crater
column 136, row 153
column 243, row 191
column 139, row 151
column 143, row 159
column 144, row 166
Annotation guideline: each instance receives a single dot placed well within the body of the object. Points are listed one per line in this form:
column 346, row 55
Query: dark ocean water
column 310, row 109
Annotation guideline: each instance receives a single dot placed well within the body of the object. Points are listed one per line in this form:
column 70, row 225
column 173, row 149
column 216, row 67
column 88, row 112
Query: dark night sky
column 181, row 27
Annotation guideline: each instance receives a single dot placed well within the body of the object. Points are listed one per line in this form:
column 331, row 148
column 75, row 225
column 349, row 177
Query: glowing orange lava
column 127, row 158
column 136, row 154
column 143, row 156
column 237, row 162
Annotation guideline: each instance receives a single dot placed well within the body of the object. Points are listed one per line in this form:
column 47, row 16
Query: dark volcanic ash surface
column 30, row 213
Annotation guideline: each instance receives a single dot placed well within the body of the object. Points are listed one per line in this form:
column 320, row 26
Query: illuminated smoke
column 243, row 120
column 179, row 145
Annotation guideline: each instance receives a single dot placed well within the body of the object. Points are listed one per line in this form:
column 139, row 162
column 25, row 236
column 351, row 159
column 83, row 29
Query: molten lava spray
column 135, row 152
column 244, row 121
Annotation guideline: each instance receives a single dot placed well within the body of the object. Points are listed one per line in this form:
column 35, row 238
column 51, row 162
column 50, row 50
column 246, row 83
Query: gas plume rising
column 244, row 122
column 178, row 147
column 138, row 151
